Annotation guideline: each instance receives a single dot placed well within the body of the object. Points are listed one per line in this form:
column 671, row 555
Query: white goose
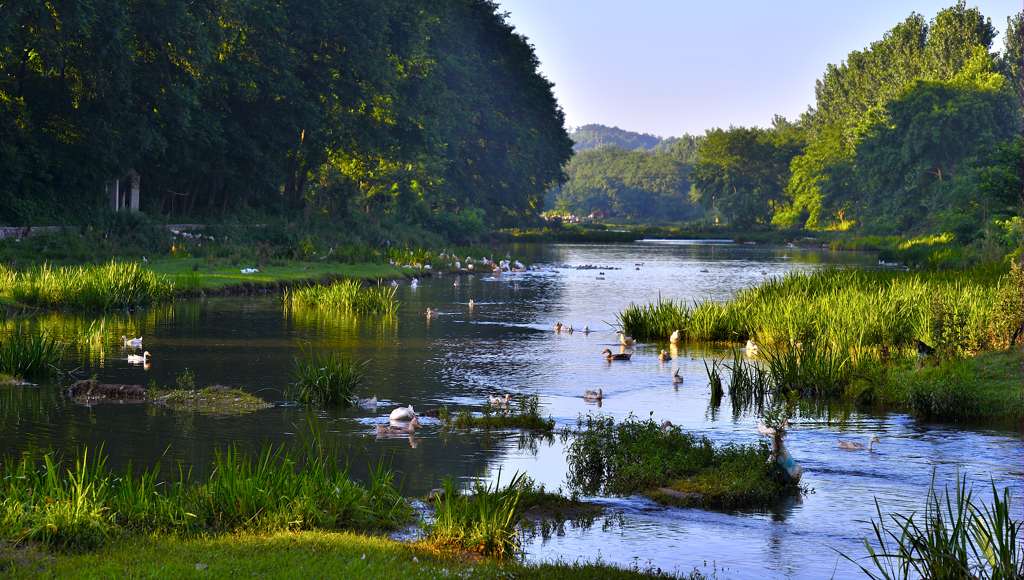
column 131, row 342
column 402, row 414
column 139, row 359
column 625, row 340
column 751, row 348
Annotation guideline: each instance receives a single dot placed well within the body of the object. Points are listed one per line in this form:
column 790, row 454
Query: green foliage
column 596, row 136
column 956, row 536
column 348, row 295
column 677, row 467
column 327, row 379
column 306, row 109
column 524, row 413
column 80, row 506
column 107, row 287
column 485, row 521
column 28, row 355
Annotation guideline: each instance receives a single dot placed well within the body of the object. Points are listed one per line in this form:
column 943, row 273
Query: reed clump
column 107, row 286
column 348, row 295
column 672, row 466
column 857, row 312
column 82, row 504
column 523, row 413
column 485, row 521
column 327, row 379
column 956, row 536
column 29, row 355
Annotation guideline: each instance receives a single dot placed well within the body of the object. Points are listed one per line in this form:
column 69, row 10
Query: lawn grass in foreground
column 309, row 554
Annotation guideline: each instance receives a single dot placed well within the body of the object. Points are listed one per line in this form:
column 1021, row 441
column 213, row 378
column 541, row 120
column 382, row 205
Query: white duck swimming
column 751, row 348
column 499, row 401
column 402, row 414
column 625, row 340
column 675, row 337
column 131, row 342
column 139, row 359
column 431, row 313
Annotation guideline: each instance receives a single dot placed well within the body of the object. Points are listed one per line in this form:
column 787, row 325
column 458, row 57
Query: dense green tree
column 594, row 136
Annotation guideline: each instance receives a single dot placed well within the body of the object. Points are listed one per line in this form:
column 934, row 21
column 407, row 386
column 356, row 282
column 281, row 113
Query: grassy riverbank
column 308, row 554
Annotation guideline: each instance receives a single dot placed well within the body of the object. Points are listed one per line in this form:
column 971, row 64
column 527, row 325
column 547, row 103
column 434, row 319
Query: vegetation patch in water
column 82, row 504
column 524, row 413
column 327, row 379
column 348, row 295
column 672, row 466
column 485, row 521
column 28, row 355
column 214, row 400
column 91, row 287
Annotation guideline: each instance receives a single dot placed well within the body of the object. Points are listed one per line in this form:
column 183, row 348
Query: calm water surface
column 505, row 344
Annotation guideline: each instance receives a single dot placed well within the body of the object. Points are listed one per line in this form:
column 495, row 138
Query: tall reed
column 348, row 295
column 485, row 521
column 93, row 287
column 29, row 355
column 327, row 379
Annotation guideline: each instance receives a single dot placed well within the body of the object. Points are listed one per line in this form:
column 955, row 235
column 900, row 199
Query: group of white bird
column 136, row 344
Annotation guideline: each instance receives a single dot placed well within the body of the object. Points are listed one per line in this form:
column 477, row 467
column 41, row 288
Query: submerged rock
column 92, row 391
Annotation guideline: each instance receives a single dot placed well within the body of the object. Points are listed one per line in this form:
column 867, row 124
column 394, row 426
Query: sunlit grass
column 349, row 295
column 103, row 287
column 29, row 355
column 484, row 521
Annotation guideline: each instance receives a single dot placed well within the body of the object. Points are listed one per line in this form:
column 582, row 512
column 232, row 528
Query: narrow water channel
column 505, row 344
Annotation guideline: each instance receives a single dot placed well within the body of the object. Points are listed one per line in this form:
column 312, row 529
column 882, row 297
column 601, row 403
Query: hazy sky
column 673, row 66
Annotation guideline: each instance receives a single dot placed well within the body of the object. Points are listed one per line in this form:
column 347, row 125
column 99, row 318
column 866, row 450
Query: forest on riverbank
column 920, row 132
column 421, row 114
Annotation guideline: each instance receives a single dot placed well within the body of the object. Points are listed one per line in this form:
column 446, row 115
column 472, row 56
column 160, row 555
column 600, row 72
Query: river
column 505, row 344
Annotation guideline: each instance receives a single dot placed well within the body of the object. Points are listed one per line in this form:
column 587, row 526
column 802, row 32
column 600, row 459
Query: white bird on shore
column 402, row 414
column 139, row 359
column 131, row 342
column 858, row 446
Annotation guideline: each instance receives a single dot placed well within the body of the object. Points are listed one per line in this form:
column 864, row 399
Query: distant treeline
column 920, row 131
column 432, row 111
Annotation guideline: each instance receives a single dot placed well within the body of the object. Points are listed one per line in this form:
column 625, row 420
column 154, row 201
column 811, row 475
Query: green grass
column 485, row 521
column 29, row 355
column 109, row 286
column 307, row 554
column 955, row 536
column 326, row 379
column 349, row 296
column 672, row 466
column 524, row 413
column 213, row 400
column 82, row 504
column 988, row 387
column 193, row 274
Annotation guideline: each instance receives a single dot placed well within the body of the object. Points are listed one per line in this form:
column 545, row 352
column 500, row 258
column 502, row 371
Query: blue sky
column 673, row 66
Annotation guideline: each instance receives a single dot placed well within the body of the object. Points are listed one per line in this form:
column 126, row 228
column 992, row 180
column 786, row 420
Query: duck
column 591, row 395
column 664, row 356
column 499, row 401
column 402, row 429
column 137, row 359
column 586, row 330
column 923, row 349
column 666, row 426
column 370, row 403
column 558, row 327
column 131, row 342
column 431, row 313
column 570, row 329
column 414, row 282
column 608, row 354
column 472, row 304
column 675, row 337
column 751, row 347
column 677, row 379
column 858, row 446
column 625, row 340
column 402, row 414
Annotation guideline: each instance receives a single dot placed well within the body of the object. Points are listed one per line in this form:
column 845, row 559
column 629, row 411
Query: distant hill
column 595, row 136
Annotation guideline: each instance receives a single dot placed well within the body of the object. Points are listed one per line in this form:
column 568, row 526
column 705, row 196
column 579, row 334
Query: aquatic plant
column 348, row 295
column 955, row 537
column 81, row 505
column 671, row 466
column 523, row 414
column 327, row 379
column 29, row 355
column 93, row 287
column 485, row 521
column 856, row 312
